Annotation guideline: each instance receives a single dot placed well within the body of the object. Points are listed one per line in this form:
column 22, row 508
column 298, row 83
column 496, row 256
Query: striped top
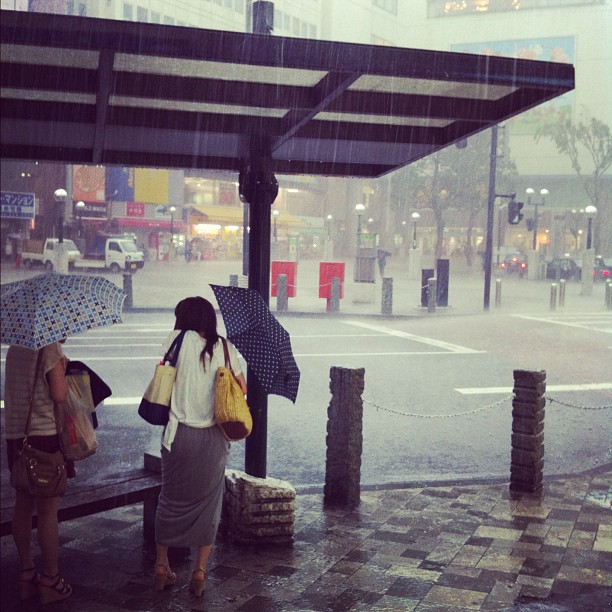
column 20, row 369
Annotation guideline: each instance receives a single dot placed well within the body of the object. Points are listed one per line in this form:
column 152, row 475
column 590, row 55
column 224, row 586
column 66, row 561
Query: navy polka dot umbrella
column 261, row 339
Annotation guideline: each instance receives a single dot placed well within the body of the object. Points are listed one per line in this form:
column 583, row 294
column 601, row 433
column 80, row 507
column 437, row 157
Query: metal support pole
column 233, row 280
column 553, row 296
column 127, row 288
column 608, row 301
column 561, row 293
column 431, row 294
column 490, row 217
column 498, row 292
column 333, row 304
column 386, row 303
column 282, row 300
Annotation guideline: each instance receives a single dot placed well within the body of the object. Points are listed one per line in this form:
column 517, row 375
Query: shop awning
column 233, row 215
column 94, row 91
column 178, row 227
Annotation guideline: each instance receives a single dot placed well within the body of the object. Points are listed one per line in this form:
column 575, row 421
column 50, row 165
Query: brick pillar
column 527, row 462
column 344, row 438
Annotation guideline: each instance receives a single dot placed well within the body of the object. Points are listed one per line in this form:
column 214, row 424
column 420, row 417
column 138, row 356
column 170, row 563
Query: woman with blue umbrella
column 35, row 380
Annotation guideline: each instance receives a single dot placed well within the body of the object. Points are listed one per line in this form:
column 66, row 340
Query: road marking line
column 588, row 326
column 453, row 348
column 549, row 388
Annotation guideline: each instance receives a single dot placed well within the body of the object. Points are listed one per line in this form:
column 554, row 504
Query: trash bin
column 289, row 268
column 365, row 265
column 327, row 271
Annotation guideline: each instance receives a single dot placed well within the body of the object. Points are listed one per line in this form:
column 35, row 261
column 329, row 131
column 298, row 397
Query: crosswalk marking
column 446, row 346
column 549, row 388
column 599, row 322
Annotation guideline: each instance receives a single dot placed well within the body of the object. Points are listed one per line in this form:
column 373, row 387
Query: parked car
column 514, row 264
column 603, row 268
column 563, row 268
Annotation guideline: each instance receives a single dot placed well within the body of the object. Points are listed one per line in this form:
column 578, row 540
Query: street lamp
column 329, row 222
column 415, row 217
column 543, row 192
column 172, row 210
column 591, row 213
column 60, row 196
column 359, row 209
column 275, row 214
column 80, row 206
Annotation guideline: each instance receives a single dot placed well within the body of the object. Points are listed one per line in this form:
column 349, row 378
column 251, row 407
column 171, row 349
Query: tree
column 586, row 138
column 454, row 179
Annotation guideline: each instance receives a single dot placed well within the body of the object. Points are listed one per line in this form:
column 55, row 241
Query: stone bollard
column 282, row 299
column 333, row 303
column 553, row 296
column 344, row 438
column 233, row 280
column 608, row 298
column 498, row 290
column 257, row 510
column 431, row 295
column 127, row 287
column 527, row 460
column 386, row 303
column 561, row 293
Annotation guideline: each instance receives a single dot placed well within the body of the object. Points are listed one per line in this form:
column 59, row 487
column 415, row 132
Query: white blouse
column 193, row 395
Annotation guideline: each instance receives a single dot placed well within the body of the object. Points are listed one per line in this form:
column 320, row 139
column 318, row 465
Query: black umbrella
column 260, row 338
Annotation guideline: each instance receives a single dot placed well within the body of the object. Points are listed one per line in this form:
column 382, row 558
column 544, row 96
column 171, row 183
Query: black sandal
column 57, row 591
column 28, row 587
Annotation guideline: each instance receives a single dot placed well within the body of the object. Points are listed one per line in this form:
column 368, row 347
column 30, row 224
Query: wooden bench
column 134, row 486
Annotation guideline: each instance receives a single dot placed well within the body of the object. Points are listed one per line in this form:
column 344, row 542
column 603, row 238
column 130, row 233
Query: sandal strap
column 199, row 570
column 59, row 585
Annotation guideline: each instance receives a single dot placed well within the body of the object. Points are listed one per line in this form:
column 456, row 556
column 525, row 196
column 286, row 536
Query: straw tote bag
column 155, row 404
column 232, row 412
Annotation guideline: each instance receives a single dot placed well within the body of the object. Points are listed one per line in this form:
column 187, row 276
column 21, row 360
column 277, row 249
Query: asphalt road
column 420, row 375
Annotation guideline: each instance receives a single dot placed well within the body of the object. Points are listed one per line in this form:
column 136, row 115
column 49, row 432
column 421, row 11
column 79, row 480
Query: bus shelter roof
column 79, row 90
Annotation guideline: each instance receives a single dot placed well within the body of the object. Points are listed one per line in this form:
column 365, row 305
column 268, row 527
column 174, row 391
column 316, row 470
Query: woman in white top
column 194, row 451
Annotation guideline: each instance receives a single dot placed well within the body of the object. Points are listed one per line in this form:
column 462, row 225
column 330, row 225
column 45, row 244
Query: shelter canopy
column 93, row 91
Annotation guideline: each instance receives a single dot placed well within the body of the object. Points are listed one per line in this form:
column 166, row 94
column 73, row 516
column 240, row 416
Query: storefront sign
column 17, row 205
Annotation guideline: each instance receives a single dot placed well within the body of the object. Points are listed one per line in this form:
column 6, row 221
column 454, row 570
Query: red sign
column 289, row 268
column 134, row 209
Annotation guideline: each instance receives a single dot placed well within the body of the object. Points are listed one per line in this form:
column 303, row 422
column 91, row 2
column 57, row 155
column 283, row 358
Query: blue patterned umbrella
column 44, row 309
column 260, row 338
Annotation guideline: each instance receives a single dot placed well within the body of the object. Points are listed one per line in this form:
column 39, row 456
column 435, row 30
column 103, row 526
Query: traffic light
column 514, row 212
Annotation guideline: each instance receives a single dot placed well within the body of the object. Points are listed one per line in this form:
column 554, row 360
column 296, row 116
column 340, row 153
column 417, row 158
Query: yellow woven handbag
column 232, row 413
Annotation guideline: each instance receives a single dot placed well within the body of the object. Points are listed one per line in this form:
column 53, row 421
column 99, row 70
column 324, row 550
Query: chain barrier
column 568, row 405
column 438, row 416
column 476, row 410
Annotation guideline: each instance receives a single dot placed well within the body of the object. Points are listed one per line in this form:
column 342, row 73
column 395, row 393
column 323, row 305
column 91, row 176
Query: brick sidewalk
column 432, row 548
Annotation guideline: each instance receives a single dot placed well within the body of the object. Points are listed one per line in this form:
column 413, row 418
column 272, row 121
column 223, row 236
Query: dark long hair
column 198, row 315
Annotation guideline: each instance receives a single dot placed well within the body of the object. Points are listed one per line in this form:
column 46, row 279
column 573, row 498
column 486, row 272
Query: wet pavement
column 468, row 546
column 431, row 548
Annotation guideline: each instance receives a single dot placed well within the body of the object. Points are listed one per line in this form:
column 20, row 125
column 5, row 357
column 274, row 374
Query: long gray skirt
column 193, row 481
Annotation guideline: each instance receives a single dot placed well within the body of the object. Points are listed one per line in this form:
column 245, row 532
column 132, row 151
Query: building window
column 287, row 26
column 70, row 7
column 386, row 5
column 142, row 14
column 228, row 4
column 155, row 17
column 168, row 20
column 296, row 26
column 239, row 6
column 313, row 31
column 278, row 20
column 455, row 8
column 128, row 12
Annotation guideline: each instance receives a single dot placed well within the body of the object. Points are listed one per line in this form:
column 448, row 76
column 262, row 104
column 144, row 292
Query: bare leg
column 162, row 554
column 202, row 559
column 164, row 576
column 22, row 528
column 48, row 535
column 198, row 577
